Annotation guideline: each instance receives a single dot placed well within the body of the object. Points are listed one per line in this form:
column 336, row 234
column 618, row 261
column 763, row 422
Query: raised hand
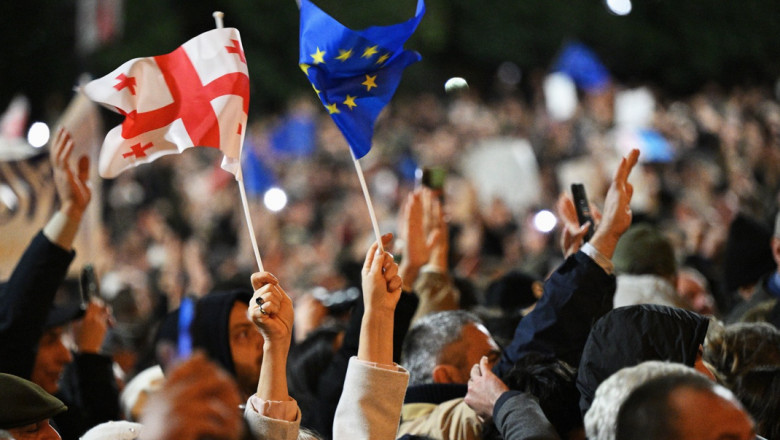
column 271, row 309
column 72, row 187
column 381, row 292
column 484, row 389
column 381, row 283
column 572, row 233
column 96, row 322
column 436, row 230
column 616, row 217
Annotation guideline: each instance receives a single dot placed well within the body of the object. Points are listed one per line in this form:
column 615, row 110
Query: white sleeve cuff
column 599, row 258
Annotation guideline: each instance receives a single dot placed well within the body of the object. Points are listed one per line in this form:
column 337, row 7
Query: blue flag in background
column 583, row 66
column 354, row 73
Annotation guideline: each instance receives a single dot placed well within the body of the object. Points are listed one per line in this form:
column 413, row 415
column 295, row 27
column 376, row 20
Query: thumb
column 483, row 365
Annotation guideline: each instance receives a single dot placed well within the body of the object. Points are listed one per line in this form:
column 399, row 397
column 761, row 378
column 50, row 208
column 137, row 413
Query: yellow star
column 382, row 58
column 369, row 82
column 319, row 56
column 344, row 55
column 332, row 108
column 305, row 68
column 315, row 89
column 350, row 102
column 369, row 52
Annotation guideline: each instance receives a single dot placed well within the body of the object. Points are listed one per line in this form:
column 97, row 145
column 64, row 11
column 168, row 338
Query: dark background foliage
column 677, row 46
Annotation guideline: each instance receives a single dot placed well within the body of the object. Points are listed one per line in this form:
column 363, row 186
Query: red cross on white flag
column 197, row 95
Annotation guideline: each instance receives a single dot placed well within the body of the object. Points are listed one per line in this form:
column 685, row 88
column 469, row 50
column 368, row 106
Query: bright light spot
column 619, row 7
column 545, row 221
column 38, row 134
column 275, row 199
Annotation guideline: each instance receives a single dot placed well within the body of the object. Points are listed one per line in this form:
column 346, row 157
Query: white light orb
column 38, row 134
column 619, row 7
column 275, row 199
column 455, row 84
column 545, row 221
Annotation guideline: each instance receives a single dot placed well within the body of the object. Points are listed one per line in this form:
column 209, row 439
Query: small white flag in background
column 197, row 95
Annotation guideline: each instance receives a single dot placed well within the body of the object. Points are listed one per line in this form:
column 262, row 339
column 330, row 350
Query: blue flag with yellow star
column 354, row 73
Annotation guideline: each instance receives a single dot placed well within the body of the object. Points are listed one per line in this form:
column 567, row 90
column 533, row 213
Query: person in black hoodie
column 630, row 335
column 219, row 327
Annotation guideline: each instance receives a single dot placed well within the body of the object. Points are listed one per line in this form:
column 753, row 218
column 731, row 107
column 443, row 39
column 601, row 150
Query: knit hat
column 748, row 254
column 23, row 402
column 644, row 250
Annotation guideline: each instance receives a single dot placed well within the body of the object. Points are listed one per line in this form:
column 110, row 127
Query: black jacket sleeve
column 577, row 294
column 25, row 300
column 90, row 391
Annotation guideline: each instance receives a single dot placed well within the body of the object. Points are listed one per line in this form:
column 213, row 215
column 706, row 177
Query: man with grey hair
column 601, row 418
column 438, row 352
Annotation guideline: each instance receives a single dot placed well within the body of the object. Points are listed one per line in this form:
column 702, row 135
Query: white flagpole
column 368, row 200
column 240, row 179
column 218, row 16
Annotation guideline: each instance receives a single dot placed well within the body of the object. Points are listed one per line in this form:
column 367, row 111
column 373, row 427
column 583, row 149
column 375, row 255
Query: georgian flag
column 197, row 95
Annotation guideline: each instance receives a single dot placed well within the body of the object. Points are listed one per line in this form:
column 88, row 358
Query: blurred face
column 246, row 347
column 695, row 293
column 51, row 359
column 705, row 415
column 36, row 431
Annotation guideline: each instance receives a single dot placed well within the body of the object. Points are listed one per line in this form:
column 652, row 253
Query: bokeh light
column 619, row 7
column 275, row 199
column 545, row 221
column 38, row 134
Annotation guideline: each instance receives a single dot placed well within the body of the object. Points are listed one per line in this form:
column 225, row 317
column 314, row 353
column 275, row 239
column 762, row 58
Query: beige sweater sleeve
column 370, row 405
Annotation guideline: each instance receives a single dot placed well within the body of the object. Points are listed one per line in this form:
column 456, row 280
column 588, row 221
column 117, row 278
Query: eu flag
column 354, row 73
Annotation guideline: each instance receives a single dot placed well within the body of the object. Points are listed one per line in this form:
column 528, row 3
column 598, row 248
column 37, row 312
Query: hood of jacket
column 630, row 335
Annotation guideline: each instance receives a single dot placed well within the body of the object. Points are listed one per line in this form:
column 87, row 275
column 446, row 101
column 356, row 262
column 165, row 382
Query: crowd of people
column 466, row 322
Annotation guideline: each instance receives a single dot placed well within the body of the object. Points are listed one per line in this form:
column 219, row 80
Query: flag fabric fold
column 197, row 95
column 354, row 73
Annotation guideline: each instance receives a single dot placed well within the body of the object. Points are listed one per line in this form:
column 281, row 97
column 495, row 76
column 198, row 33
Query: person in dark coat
column 630, row 335
column 31, row 328
column 26, row 297
column 581, row 290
